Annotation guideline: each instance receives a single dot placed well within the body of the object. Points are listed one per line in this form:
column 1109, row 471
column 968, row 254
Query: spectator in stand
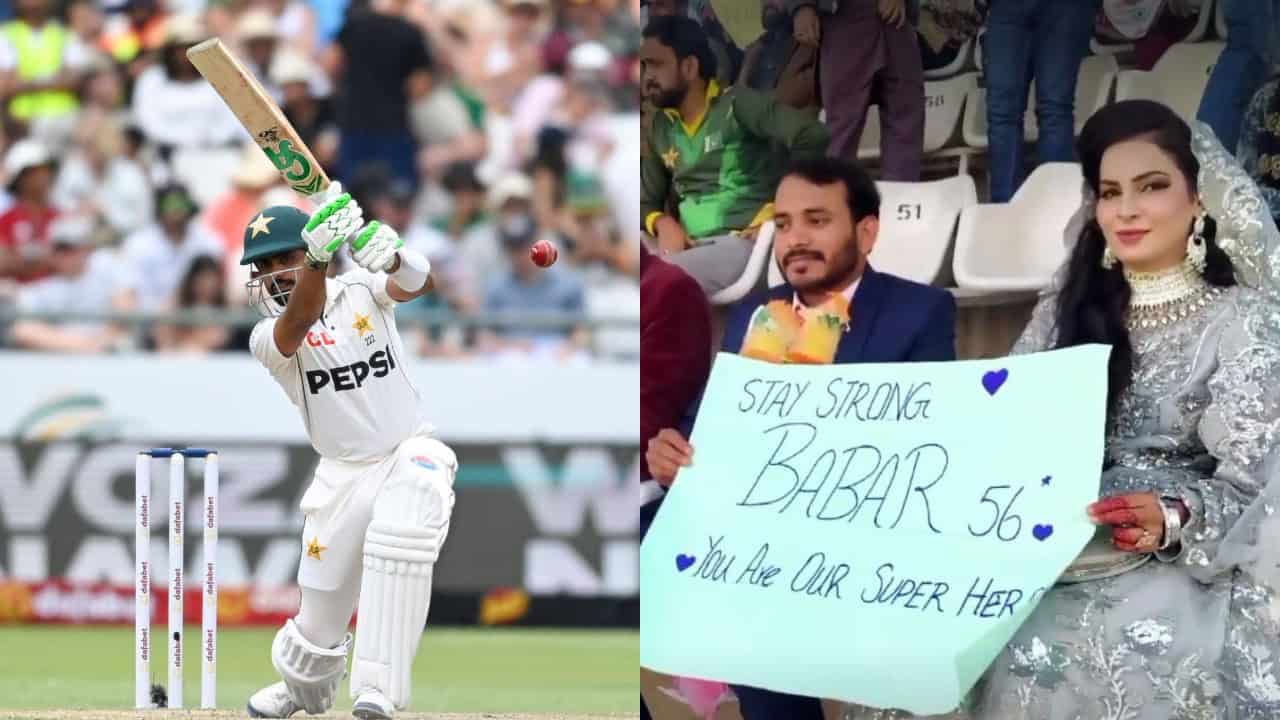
column 675, row 360
column 675, row 347
column 41, row 62
column 382, row 64
column 728, row 56
column 516, row 58
column 480, row 248
column 779, row 64
column 657, row 8
column 87, row 22
column 203, row 287
column 172, row 103
column 392, row 203
column 161, row 253
column 259, row 38
column 1044, row 40
column 136, row 36
column 102, row 95
column 595, row 241
column 98, row 179
column 296, row 22
column 1243, row 66
column 525, row 287
column 828, row 222
column 946, row 28
column 84, row 280
column 601, row 21
column 310, row 113
column 721, row 150
column 872, row 55
column 24, row 227
column 1259, row 152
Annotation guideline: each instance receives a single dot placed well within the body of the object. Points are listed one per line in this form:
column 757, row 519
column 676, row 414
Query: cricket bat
column 260, row 115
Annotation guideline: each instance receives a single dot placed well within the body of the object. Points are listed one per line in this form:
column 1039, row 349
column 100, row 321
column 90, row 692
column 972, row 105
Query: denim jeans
column 1240, row 70
column 1026, row 39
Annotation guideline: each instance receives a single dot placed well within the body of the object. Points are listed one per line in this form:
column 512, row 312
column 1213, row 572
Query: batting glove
column 374, row 248
column 329, row 226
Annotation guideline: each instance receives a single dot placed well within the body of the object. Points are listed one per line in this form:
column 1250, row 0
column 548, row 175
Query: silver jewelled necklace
column 1162, row 298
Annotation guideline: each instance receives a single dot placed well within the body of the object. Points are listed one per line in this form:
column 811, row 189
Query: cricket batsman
column 377, row 511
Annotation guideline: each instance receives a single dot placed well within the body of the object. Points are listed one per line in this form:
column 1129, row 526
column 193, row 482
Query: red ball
column 543, row 253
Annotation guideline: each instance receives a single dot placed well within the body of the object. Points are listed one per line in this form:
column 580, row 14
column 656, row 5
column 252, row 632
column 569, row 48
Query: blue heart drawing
column 994, row 379
column 684, row 561
column 1042, row 532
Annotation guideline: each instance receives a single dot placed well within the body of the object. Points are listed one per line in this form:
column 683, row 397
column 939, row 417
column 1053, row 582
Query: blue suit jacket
column 893, row 320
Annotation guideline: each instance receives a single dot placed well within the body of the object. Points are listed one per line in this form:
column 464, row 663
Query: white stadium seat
column 760, row 252
column 1177, row 80
column 1018, row 245
column 1110, row 47
column 943, row 107
column 1204, row 21
column 917, row 224
column 1094, row 85
column 955, row 67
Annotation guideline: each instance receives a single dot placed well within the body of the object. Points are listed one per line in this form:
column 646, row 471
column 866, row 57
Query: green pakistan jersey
column 724, row 168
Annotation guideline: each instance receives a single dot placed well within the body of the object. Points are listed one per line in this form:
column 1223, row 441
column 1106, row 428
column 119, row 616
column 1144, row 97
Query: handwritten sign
column 871, row 533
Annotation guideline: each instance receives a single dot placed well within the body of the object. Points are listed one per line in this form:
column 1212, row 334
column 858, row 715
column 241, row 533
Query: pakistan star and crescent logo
column 362, row 324
column 259, row 225
column 670, row 158
column 314, row 548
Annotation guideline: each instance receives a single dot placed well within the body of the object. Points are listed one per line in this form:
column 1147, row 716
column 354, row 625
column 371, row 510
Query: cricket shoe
column 373, row 705
column 273, row 701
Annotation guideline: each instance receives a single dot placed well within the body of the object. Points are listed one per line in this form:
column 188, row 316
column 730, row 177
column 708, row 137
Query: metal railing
column 406, row 317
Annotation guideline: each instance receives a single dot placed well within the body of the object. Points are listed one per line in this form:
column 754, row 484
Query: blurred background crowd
column 474, row 127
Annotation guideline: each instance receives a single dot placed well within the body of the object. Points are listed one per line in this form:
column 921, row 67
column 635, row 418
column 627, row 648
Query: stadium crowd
column 821, row 74
column 474, row 127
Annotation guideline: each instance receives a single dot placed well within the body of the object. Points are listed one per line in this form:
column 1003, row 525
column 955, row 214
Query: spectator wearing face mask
column 525, row 287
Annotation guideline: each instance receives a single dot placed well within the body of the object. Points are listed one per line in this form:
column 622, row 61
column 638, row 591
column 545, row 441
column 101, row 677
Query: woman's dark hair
column 1093, row 301
column 187, row 290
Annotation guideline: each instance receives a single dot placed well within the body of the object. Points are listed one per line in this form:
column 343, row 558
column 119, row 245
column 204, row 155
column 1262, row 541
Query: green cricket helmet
column 275, row 230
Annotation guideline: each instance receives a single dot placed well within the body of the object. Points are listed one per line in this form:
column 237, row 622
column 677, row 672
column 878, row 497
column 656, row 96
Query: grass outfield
column 492, row 670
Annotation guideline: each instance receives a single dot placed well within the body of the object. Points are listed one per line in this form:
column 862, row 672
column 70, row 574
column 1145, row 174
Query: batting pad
column 311, row 673
column 409, row 526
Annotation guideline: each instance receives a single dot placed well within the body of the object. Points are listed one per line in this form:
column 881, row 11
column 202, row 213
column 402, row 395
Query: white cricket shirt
column 348, row 377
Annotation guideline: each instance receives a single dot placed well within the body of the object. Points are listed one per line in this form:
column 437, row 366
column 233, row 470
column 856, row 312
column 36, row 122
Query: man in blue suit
column 827, row 213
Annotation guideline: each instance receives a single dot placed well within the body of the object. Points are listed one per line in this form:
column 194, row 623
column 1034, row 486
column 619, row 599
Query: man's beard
column 836, row 275
column 668, row 99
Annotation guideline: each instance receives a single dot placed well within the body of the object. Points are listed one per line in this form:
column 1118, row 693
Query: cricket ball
column 543, row 253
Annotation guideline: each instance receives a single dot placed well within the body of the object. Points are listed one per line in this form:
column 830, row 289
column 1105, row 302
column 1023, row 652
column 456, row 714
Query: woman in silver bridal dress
column 1172, row 611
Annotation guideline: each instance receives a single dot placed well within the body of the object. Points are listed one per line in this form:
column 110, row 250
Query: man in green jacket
column 718, row 151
